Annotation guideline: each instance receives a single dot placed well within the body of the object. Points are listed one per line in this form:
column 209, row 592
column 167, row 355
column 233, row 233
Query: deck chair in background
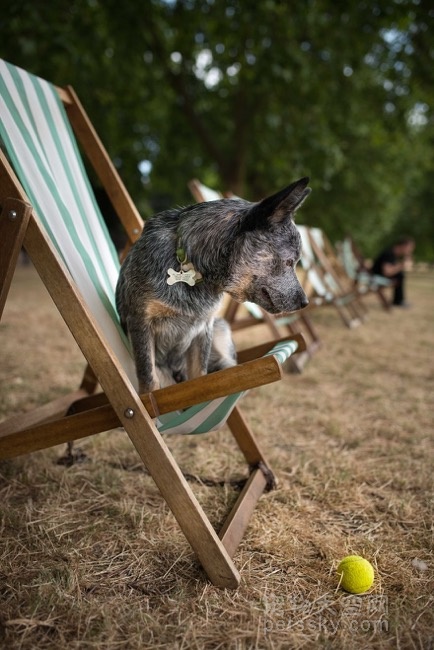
column 359, row 271
column 248, row 314
column 330, row 260
column 48, row 207
column 203, row 193
column 321, row 285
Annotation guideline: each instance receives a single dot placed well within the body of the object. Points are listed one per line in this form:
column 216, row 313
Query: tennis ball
column 357, row 574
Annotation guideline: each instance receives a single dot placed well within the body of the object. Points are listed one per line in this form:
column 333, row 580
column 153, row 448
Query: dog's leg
column 199, row 352
column 223, row 354
column 143, row 344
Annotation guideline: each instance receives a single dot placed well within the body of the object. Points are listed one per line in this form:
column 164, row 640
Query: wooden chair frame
column 370, row 287
column 85, row 412
column 345, row 298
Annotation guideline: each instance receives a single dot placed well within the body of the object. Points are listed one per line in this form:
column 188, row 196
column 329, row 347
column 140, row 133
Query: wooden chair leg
column 383, row 299
column 14, row 218
column 270, row 322
column 245, row 439
column 261, row 479
column 89, row 381
column 230, row 311
column 178, row 495
column 235, row 525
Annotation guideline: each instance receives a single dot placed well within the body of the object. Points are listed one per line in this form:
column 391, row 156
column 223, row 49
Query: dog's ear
column 277, row 208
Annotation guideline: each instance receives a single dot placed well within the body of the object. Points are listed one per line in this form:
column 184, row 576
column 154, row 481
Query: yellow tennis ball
column 357, row 574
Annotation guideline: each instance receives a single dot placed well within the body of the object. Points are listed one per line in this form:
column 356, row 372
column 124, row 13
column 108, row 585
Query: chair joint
column 15, row 210
column 271, row 483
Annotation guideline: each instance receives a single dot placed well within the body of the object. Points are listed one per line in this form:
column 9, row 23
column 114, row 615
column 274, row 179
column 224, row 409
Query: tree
column 249, row 96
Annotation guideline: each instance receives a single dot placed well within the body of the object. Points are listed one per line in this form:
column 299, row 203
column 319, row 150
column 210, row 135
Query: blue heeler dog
column 173, row 278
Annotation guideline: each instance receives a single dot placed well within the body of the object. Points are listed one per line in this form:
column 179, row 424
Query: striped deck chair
column 358, row 270
column 48, row 207
column 335, row 271
column 241, row 316
column 321, row 284
column 202, row 192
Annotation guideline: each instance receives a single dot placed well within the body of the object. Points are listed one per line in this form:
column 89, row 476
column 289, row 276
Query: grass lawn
column 91, row 557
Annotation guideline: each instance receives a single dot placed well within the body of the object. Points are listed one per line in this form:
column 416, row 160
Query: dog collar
column 187, row 273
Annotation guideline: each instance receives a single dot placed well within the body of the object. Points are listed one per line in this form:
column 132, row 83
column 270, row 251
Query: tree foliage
column 249, row 96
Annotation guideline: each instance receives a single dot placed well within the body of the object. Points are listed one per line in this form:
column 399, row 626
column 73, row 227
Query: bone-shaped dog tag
column 182, row 276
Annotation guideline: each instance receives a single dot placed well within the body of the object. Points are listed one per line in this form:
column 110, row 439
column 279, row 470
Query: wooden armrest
column 94, row 414
column 218, row 384
column 249, row 373
column 195, row 391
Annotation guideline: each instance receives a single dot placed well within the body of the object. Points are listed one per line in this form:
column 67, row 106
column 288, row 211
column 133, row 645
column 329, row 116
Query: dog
column 173, row 278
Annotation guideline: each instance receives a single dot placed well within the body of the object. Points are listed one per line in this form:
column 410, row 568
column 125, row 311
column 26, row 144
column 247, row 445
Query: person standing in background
column 392, row 263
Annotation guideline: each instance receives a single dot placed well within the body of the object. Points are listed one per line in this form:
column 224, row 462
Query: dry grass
column 91, row 557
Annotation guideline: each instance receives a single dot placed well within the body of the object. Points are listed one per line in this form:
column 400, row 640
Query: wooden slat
column 245, row 376
column 65, row 96
column 56, row 432
column 55, row 409
column 94, row 414
column 89, row 381
column 231, row 310
column 245, row 438
column 97, row 415
column 13, row 223
column 236, row 523
column 253, row 373
column 194, row 187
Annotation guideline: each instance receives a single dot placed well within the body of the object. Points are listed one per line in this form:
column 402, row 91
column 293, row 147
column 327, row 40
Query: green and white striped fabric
column 39, row 141
column 208, row 193
column 318, row 237
column 349, row 262
column 308, row 262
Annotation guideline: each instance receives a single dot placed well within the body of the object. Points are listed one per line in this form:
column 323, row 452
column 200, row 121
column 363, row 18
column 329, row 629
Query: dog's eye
column 290, row 263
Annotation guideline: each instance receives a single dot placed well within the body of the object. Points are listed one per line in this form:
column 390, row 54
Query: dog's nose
column 304, row 302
